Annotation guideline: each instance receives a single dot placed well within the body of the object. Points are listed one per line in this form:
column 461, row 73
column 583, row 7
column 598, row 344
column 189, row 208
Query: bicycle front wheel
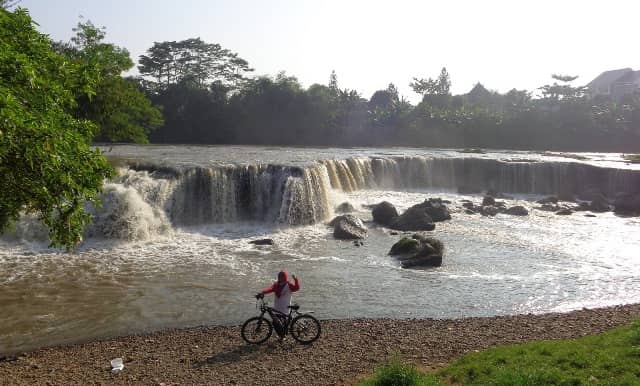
column 305, row 329
column 256, row 330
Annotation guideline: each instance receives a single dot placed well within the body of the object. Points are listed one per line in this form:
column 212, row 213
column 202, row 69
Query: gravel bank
column 347, row 350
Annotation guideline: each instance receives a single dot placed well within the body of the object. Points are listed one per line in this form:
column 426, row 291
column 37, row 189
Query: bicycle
column 304, row 328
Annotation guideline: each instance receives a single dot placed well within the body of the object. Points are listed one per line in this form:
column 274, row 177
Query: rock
column 468, row 190
column 394, row 233
column 627, row 203
column 261, row 242
column 566, row 196
column 488, row 200
column 405, row 245
column 469, row 211
column 589, row 215
column 591, row 194
column 548, row 200
column 599, row 204
column 384, row 213
column 489, row 211
column 358, row 243
column 418, row 250
column 549, row 207
column 436, row 209
column 517, row 210
column 347, row 227
column 413, row 219
column 422, row 261
column 495, row 194
column 345, row 207
column 564, row 212
column 468, row 205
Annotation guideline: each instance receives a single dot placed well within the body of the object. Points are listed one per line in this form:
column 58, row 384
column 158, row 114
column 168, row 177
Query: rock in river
column 348, row 227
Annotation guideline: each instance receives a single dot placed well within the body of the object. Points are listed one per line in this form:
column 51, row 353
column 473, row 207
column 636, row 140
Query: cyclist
column 282, row 289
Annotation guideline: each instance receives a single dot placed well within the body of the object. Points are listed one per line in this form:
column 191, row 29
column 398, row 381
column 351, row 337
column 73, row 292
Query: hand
column 259, row 295
column 294, row 277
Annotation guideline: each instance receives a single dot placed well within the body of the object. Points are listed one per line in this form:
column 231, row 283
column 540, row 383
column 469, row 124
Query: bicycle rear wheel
column 305, row 329
column 256, row 330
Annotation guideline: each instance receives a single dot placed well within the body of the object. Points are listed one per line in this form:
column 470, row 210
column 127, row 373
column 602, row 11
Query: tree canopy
column 46, row 164
column 119, row 108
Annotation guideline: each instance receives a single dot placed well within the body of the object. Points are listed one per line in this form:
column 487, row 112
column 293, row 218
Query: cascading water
column 139, row 204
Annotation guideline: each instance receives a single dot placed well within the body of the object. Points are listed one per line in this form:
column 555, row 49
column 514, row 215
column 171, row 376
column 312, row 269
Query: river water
column 167, row 252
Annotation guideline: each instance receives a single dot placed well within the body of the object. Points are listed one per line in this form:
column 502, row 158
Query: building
column 615, row 83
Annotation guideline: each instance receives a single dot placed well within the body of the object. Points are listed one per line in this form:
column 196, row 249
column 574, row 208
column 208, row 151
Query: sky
column 501, row 44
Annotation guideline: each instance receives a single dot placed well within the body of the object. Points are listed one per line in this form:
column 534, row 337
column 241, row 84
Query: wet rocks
column 517, row 210
column 418, row 251
column 262, row 242
column 345, row 207
column 348, row 227
column 564, row 212
column 413, row 219
column 548, row 200
column 488, row 201
column 384, row 213
column 627, row 204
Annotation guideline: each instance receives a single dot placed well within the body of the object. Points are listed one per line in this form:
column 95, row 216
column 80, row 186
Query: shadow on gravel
column 241, row 352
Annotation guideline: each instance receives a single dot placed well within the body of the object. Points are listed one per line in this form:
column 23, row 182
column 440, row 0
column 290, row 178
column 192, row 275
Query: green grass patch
column 612, row 358
column 397, row 373
column 633, row 158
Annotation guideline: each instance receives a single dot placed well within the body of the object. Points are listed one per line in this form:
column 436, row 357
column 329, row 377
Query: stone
column 418, row 251
column 488, row 200
column 348, row 227
column 599, row 204
column 548, row 200
column 422, row 261
column 517, row 210
column 261, row 242
column 413, row 219
column 469, row 211
column 564, row 212
column 384, row 213
column 627, row 203
column 405, row 245
column 345, row 207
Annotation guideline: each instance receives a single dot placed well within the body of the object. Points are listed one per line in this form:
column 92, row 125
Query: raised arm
column 296, row 284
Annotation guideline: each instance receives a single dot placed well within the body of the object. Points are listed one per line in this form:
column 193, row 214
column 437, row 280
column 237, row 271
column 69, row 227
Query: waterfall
column 146, row 200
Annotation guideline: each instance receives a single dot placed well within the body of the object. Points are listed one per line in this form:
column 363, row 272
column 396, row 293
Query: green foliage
column 607, row 359
column 192, row 61
column 120, row 109
column 397, row 373
column 46, row 163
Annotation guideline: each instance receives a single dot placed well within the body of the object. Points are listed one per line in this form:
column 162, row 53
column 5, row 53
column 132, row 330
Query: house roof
column 609, row 77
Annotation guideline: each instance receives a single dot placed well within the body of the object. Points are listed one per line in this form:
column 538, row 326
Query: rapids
column 169, row 247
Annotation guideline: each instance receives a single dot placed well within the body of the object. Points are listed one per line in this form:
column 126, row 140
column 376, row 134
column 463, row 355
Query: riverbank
column 347, row 350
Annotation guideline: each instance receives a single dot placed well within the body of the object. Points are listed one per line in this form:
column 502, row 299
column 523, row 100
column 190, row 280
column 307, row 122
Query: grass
column 612, row 358
column 397, row 373
column 633, row 158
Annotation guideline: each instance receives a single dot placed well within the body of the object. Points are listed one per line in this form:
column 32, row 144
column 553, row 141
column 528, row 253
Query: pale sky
column 502, row 44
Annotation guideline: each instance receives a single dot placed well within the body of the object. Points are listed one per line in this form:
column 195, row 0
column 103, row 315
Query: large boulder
column 348, row 227
column 405, row 246
column 345, row 207
column 262, row 242
column 548, row 200
column 517, row 210
column 627, row 203
column 413, row 219
column 599, row 204
column 384, row 213
column 488, row 201
column 418, row 251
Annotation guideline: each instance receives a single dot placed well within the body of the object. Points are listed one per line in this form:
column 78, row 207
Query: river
column 170, row 245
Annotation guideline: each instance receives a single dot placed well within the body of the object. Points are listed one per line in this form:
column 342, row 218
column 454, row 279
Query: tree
column 194, row 61
column 119, row 108
column 46, row 164
column 333, row 83
column 440, row 86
